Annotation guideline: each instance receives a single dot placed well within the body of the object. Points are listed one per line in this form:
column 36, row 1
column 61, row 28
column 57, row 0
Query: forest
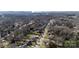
column 39, row 30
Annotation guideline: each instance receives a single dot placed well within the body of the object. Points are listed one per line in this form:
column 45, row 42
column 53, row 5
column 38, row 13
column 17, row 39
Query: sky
column 39, row 5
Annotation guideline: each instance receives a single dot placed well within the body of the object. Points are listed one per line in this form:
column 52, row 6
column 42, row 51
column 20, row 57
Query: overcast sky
column 39, row 5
